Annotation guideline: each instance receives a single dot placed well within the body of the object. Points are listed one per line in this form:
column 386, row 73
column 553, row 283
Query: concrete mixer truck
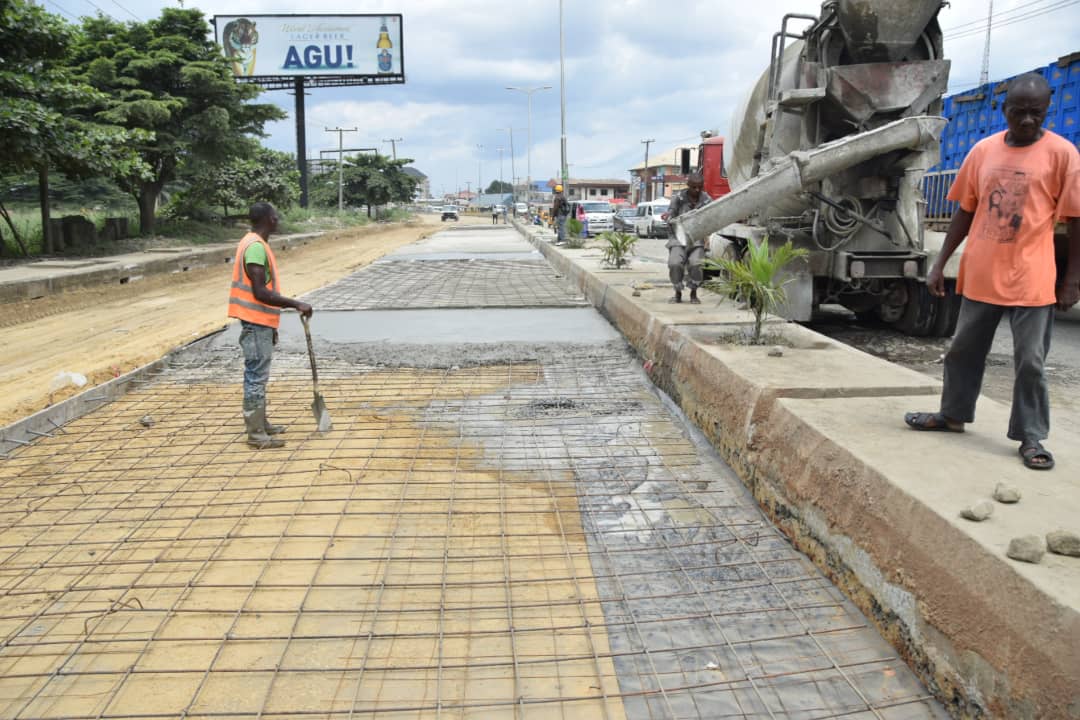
column 829, row 151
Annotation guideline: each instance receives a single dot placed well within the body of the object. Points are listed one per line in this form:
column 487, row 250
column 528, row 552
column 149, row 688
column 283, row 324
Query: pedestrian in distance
column 494, row 215
column 255, row 299
column 1011, row 187
column 684, row 263
column 504, row 218
column 560, row 212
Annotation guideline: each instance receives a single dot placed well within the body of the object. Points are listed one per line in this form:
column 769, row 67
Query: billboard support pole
column 301, row 142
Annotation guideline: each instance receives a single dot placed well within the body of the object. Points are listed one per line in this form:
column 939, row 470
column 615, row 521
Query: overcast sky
column 635, row 69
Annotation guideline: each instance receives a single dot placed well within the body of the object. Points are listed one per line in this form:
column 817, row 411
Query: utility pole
column 393, row 145
column 479, row 165
column 528, row 154
column 501, row 190
column 340, row 164
column 513, row 172
column 984, row 76
column 564, row 170
column 648, row 184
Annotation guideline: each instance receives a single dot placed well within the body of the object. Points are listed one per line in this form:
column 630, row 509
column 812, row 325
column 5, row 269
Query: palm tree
column 754, row 278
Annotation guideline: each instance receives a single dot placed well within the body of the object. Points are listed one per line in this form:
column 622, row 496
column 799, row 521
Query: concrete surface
column 817, row 435
column 537, row 536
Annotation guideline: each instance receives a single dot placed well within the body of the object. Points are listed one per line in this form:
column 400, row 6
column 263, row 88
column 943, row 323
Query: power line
column 70, row 15
column 1060, row 5
column 100, row 9
column 1018, row 8
column 114, row 2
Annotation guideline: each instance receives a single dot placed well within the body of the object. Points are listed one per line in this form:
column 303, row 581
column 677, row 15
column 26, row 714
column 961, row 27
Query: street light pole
column 513, row 172
column 501, row 191
column 528, row 153
column 479, row 165
column 563, row 168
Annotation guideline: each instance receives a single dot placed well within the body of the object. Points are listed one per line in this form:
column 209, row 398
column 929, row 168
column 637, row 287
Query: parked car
column 449, row 212
column 649, row 221
column 598, row 214
column 521, row 209
column 623, row 221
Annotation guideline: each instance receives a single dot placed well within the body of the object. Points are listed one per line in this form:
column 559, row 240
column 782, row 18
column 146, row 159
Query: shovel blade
column 322, row 417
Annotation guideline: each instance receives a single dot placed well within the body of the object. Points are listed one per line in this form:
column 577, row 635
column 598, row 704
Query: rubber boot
column 677, row 298
column 693, row 296
column 272, row 429
column 257, row 437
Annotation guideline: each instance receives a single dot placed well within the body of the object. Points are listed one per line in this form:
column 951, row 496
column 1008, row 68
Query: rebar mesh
column 531, row 540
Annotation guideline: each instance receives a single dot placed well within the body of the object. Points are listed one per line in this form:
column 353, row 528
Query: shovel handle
column 311, row 354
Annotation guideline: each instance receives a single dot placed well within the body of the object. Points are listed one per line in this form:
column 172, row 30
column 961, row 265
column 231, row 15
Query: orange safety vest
column 242, row 302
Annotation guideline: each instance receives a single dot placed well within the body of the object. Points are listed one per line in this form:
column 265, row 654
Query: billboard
column 311, row 45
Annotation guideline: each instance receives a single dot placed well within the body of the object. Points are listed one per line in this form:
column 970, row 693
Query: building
column 662, row 178
column 605, row 190
column 423, row 184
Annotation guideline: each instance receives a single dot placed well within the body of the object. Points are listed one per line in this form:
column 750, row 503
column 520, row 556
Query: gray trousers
column 257, row 342
column 560, row 224
column 965, row 364
column 683, row 259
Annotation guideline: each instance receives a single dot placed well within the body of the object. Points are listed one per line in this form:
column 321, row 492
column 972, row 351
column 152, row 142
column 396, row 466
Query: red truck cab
column 711, row 165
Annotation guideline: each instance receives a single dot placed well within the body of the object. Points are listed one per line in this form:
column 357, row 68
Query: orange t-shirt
column 1016, row 194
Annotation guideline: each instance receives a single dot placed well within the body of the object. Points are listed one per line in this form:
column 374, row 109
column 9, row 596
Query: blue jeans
column 560, row 223
column 257, row 342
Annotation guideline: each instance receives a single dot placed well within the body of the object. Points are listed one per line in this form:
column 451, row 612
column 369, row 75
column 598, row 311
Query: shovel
column 318, row 405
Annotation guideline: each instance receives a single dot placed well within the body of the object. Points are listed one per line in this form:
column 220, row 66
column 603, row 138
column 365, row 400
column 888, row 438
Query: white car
column 449, row 212
column 521, row 209
column 601, row 215
column 650, row 221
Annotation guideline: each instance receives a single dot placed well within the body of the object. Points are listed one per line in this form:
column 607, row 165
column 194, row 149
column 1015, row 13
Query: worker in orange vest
column 255, row 299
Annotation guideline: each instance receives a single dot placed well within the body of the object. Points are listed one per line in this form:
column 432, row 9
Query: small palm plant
column 617, row 248
column 754, row 278
column 574, row 238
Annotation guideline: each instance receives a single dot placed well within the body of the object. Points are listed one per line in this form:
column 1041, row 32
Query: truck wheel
column 948, row 311
column 920, row 312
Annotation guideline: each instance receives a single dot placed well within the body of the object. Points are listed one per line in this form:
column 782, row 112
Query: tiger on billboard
column 239, row 38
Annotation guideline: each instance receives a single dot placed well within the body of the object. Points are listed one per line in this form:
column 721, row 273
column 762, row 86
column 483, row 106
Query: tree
column 370, row 180
column 165, row 77
column 42, row 123
column 497, row 186
column 268, row 176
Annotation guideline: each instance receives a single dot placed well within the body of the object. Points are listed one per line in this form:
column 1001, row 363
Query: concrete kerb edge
column 51, row 420
column 217, row 254
column 779, row 457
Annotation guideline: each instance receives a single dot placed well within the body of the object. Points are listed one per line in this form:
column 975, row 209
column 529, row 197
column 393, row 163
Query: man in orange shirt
column 1012, row 188
column 255, row 299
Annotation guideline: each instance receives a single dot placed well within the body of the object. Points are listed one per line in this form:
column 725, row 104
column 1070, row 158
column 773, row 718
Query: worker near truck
column 255, row 299
column 1011, row 188
column 684, row 261
column 560, row 211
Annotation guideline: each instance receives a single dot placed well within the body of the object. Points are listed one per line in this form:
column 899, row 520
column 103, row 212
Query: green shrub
column 617, row 248
column 753, row 278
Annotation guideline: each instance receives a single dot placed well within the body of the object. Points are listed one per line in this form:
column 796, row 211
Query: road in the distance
column 925, row 355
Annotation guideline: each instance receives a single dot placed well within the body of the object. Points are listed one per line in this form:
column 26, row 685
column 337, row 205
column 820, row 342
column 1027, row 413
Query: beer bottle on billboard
column 384, row 45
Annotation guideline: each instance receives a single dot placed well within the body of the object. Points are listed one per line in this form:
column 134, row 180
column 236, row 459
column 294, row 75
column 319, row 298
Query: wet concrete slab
column 470, row 240
column 442, row 257
column 539, row 325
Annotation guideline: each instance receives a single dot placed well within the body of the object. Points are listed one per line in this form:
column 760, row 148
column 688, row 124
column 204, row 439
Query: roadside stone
column 636, row 293
column 777, row 351
column 979, row 511
column 1062, row 542
column 1027, row 548
column 1006, row 493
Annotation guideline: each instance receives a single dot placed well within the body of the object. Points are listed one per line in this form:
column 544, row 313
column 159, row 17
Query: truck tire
column 920, row 311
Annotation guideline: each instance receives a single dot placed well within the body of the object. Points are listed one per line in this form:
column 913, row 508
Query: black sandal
column 1032, row 450
column 930, row 422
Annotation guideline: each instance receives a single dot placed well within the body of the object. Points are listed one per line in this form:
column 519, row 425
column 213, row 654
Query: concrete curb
column 990, row 637
column 27, row 282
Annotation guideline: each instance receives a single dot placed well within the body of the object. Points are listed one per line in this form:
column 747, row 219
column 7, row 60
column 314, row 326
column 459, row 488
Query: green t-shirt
column 256, row 255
